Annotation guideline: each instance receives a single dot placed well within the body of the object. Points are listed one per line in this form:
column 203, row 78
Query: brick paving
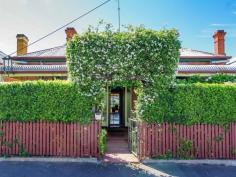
column 117, row 149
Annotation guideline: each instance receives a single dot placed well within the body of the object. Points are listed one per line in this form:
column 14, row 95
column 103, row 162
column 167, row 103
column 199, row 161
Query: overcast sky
column 196, row 20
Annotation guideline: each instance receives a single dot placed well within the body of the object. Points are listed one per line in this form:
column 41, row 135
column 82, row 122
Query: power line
column 49, row 34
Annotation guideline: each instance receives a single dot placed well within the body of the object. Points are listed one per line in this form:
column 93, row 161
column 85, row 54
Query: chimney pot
column 22, row 44
column 219, row 42
column 70, row 32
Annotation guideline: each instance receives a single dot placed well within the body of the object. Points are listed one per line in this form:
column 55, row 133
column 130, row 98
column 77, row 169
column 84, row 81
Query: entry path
column 117, row 149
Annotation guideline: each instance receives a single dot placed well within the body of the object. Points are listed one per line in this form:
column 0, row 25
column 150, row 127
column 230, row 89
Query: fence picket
column 75, row 140
column 234, row 139
column 174, row 139
column 227, row 148
column 224, row 143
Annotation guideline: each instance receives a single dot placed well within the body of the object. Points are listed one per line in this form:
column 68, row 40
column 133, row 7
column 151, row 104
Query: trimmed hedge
column 217, row 78
column 44, row 100
column 198, row 103
column 62, row 101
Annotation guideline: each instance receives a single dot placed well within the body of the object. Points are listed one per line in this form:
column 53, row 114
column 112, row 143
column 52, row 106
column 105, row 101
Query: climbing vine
column 141, row 57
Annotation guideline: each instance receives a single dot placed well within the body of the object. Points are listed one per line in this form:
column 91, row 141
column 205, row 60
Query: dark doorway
column 116, row 114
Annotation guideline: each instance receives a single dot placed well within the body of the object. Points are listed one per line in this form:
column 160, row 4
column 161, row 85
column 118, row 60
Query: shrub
column 184, row 150
column 168, row 155
column 44, row 100
column 198, row 103
column 234, row 152
column 102, row 142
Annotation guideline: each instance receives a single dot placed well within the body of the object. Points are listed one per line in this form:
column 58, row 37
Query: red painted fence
column 49, row 139
column 208, row 141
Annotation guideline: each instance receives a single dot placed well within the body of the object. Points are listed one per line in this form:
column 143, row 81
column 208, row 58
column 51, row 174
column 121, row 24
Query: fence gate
column 133, row 136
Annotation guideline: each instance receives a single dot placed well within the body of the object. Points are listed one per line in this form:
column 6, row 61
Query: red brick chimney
column 70, row 32
column 21, row 44
column 219, row 42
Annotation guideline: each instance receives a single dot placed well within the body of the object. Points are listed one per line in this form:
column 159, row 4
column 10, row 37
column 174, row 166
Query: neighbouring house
column 195, row 57
column 2, row 55
column 232, row 61
column 49, row 64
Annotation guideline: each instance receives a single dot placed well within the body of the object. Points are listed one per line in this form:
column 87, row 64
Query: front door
column 116, row 108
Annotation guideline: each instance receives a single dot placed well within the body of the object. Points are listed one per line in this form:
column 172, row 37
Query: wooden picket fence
column 208, row 141
column 49, row 139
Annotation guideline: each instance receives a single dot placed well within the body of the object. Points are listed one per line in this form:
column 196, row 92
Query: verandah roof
column 62, row 69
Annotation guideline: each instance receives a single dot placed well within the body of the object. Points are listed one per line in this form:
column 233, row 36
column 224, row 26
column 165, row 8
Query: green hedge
column 216, row 78
column 198, row 103
column 44, row 100
column 62, row 101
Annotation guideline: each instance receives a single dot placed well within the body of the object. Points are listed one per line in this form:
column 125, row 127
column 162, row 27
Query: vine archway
column 142, row 57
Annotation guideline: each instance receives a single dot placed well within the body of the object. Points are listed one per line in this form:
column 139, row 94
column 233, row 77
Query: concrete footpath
column 94, row 160
column 193, row 162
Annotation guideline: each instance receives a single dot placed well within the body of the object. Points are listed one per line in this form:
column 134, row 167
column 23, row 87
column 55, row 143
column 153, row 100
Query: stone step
column 117, row 144
column 117, row 141
column 119, row 138
column 117, row 149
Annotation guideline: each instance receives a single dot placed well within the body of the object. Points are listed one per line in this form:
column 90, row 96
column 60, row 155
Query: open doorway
column 116, row 108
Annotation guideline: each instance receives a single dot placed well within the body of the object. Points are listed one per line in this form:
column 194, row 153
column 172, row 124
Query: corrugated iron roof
column 232, row 61
column 206, row 69
column 60, row 51
column 190, row 52
column 182, row 69
column 34, row 68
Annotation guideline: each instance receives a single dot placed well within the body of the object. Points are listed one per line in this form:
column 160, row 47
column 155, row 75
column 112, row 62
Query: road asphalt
column 67, row 169
column 74, row 169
